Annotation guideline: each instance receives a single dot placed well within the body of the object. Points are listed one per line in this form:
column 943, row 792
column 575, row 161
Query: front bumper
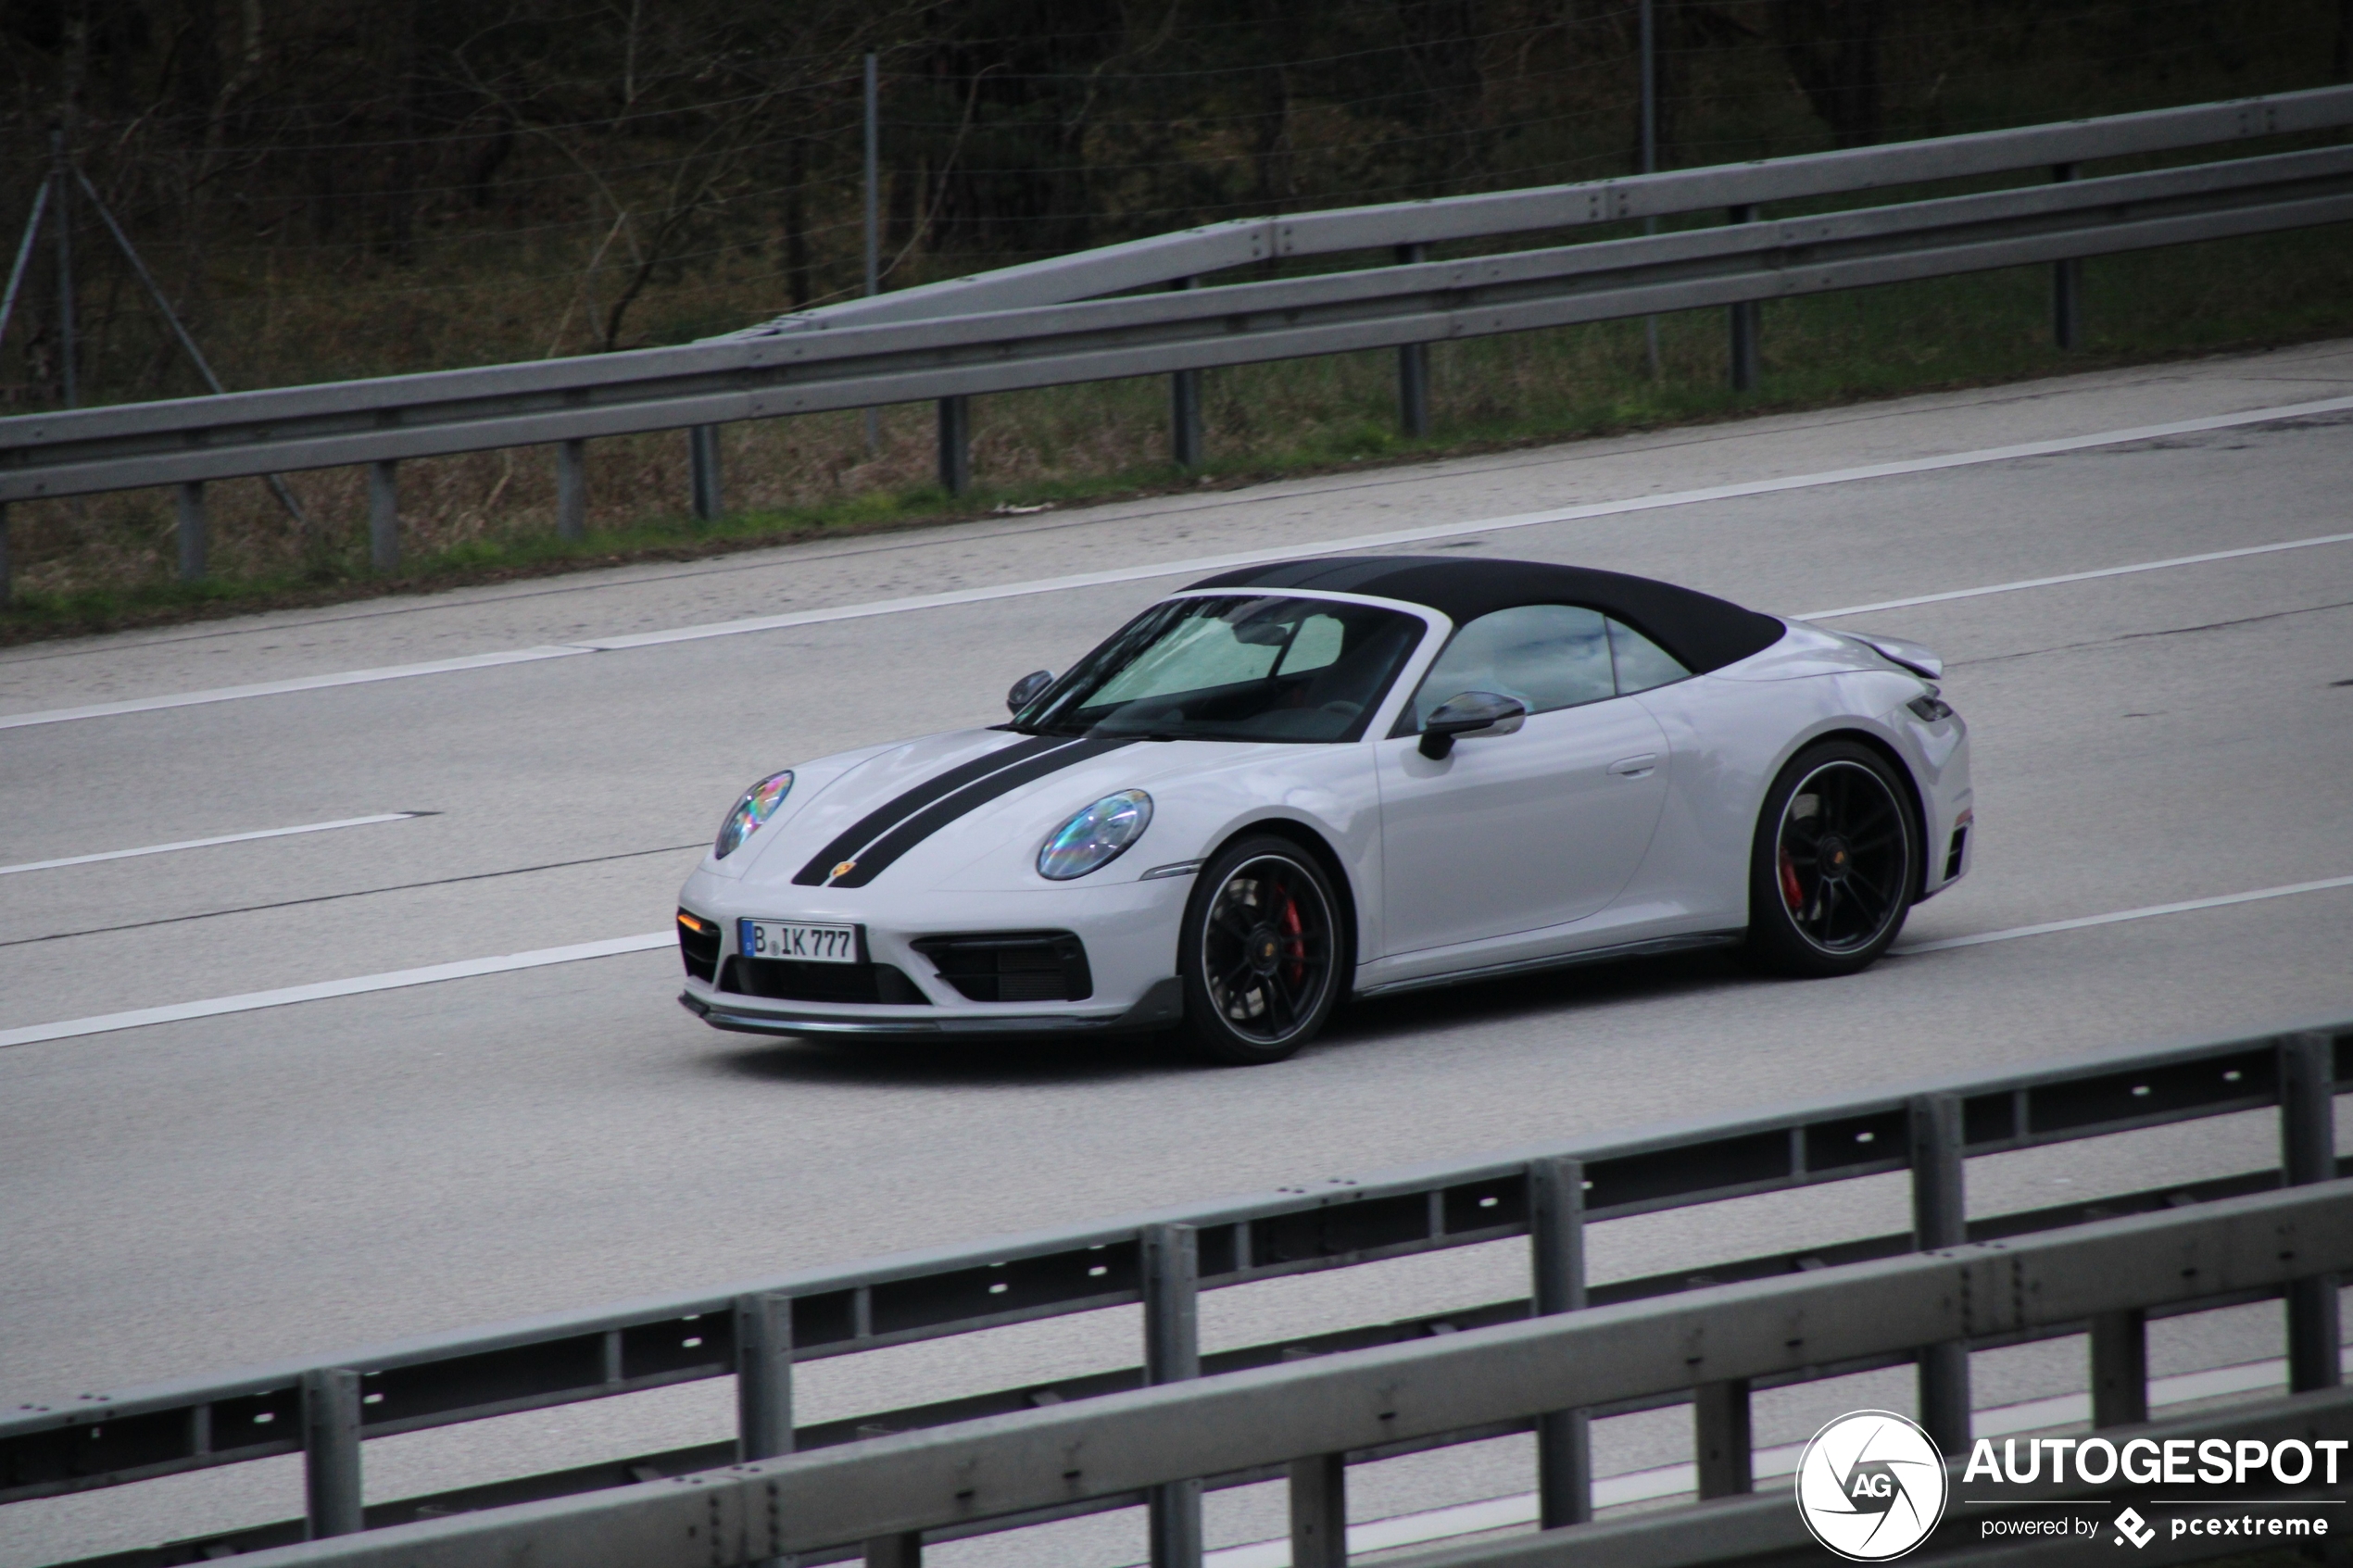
column 1127, row 929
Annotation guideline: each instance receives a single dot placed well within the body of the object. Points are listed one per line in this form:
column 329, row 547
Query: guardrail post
column 955, row 445
column 702, row 462
column 2067, row 284
column 2119, row 1369
column 1721, row 1439
column 2308, row 1154
column 896, row 1551
column 1939, row 1218
column 384, row 516
column 1183, row 408
column 331, row 1451
column 1317, row 1486
column 1413, row 366
column 1556, row 1256
column 764, row 1383
column 572, row 489
column 1171, row 1262
column 1744, row 316
column 764, row 1376
column 1320, row 1511
column 188, row 509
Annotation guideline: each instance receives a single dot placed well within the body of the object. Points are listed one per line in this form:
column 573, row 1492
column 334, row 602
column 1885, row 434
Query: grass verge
column 107, row 564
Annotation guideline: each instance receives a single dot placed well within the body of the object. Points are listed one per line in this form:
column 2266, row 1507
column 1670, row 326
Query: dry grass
column 111, row 559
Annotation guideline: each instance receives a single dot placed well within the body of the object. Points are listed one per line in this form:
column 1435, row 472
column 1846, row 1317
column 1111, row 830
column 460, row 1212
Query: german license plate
column 804, row 944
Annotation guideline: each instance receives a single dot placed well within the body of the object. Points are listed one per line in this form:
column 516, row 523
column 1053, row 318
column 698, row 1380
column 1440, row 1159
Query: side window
column 1641, row 663
column 1547, row 656
column 1315, row 645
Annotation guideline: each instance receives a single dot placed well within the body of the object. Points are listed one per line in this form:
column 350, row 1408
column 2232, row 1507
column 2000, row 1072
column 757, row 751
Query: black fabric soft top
column 1703, row 632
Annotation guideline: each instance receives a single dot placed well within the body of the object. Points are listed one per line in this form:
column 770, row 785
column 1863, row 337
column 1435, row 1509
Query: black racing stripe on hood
column 878, row 857
column 879, row 821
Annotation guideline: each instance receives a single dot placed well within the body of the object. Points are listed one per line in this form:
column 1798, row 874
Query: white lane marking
column 105, row 1023
column 1200, row 564
column 293, row 683
column 208, row 843
column 2074, row 577
column 465, row 969
column 1682, row 1480
column 2186, row 905
column 1452, row 530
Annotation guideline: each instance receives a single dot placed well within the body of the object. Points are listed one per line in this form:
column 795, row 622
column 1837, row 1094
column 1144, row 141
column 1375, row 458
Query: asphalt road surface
column 207, row 1191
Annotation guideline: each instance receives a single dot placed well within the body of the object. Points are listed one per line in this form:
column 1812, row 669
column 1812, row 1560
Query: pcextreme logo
column 2179, row 1466
column 1870, row 1486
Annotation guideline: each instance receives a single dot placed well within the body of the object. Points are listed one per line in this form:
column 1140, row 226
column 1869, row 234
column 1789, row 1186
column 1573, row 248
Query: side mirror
column 1025, row 691
column 1471, row 713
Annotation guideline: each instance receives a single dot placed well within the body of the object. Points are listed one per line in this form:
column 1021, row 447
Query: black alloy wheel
column 1835, row 863
column 1260, row 952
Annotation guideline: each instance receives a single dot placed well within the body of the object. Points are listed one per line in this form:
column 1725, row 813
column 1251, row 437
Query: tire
column 1260, row 952
column 1834, row 864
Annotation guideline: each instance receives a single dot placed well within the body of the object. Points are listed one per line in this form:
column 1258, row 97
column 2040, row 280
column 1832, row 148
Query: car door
column 1516, row 832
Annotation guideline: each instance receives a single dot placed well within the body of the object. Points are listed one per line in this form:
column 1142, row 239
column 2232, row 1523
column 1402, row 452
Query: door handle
column 1635, row 767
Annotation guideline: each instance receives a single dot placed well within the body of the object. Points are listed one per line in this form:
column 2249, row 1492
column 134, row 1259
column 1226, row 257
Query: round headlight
column 759, row 803
column 1095, row 837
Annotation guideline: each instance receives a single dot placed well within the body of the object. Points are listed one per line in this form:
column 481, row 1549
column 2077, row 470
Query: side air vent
column 1953, row 855
column 699, row 944
column 1013, row 966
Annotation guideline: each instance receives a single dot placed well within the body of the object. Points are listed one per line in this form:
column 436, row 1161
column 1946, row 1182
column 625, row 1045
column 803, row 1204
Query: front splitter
column 1160, row 1007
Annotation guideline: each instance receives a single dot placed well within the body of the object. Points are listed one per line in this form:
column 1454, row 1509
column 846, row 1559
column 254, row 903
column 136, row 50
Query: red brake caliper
column 1295, row 944
column 1791, row 895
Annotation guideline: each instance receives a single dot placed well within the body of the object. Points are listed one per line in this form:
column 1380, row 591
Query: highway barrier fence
column 327, row 1407
column 1137, row 309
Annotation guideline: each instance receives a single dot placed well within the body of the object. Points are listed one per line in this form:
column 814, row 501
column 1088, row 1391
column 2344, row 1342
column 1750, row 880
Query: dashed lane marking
column 251, row 1002
column 106, row 1023
column 2075, row 577
column 208, row 843
column 2147, row 911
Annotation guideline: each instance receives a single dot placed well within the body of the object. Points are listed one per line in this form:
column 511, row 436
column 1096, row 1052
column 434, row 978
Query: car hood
column 970, row 808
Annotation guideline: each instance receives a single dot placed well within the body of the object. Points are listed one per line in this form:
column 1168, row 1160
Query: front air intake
column 1012, row 966
column 789, row 980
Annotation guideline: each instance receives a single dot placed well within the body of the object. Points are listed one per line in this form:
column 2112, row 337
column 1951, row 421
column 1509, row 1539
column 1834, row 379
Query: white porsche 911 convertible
column 1295, row 783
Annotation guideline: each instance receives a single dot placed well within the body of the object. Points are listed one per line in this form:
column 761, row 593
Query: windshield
column 1244, row 666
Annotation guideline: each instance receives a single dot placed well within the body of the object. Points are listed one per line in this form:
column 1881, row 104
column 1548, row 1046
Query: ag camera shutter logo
column 1870, row 1486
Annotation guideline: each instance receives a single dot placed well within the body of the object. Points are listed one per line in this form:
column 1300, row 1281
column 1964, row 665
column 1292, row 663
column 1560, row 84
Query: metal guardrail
column 324, row 1407
column 1195, row 253
column 1042, row 345
column 1765, row 1531
column 1042, row 324
column 1307, row 1416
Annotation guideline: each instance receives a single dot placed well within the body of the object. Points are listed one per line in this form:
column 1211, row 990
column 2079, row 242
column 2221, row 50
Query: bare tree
column 1832, row 47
